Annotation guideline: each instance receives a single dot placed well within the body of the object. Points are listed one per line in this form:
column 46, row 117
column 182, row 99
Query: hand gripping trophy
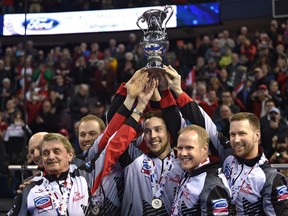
column 154, row 42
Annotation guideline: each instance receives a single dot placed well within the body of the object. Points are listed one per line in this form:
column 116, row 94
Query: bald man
column 34, row 155
column 33, row 149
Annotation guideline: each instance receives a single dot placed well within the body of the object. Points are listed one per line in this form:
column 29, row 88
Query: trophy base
column 155, row 72
column 155, row 68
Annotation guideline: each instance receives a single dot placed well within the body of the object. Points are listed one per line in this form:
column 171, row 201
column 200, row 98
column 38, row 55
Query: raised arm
column 126, row 133
column 121, row 94
column 124, row 110
column 196, row 115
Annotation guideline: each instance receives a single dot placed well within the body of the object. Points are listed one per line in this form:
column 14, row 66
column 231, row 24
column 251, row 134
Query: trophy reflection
column 154, row 42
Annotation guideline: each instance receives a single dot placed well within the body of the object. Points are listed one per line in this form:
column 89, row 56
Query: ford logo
column 42, row 200
column 282, row 190
column 221, row 203
column 40, row 23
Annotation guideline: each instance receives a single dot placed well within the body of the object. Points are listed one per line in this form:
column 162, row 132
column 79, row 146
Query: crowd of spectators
column 225, row 73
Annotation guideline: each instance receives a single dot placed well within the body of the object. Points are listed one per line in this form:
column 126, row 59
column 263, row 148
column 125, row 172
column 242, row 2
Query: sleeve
column 171, row 114
column 19, row 206
column 16, row 206
column 117, row 101
column 219, row 144
column 275, row 195
column 217, row 201
column 115, row 148
column 118, row 119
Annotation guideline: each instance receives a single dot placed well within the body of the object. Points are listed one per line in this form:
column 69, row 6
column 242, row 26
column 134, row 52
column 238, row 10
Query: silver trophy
column 154, row 42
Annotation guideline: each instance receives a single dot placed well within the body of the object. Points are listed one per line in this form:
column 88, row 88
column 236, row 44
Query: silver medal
column 156, row 203
column 96, row 210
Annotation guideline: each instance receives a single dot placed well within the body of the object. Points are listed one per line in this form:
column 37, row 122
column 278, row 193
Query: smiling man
column 257, row 188
column 90, row 127
column 203, row 189
column 152, row 178
column 67, row 189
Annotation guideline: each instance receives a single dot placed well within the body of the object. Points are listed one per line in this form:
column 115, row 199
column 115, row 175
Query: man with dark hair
column 151, row 179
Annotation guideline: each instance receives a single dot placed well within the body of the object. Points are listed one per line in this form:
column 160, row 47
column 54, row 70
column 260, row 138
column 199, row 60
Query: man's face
column 88, row 133
column 156, row 137
column 244, row 139
column 34, row 151
column 225, row 112
column 226, row 98
column 269, row 106
column 189, row 152
column 33, row 148
column 55, row 157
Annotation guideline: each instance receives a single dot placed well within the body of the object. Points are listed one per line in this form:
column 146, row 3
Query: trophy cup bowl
column 154, row 42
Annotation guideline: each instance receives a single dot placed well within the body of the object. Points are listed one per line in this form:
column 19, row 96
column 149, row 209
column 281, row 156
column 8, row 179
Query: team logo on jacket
column 146, row 167
column 282, row 193
column 220, row 207
column 43, row 203
column 227, row 171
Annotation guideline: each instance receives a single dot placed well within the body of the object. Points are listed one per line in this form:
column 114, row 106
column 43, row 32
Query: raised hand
column 146, row 94
column 163, row 84
column 135, row 87
column 135, row 77
column 156, row 94
column 173, row 79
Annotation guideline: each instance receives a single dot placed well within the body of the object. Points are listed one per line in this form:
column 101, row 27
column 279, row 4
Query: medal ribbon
column 60, row 203
column 235, row 188
column 178, row 196
column 182, row 185
column 158, row 186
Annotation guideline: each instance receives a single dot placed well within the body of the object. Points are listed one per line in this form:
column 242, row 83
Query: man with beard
column 152, row 178
column 257, row 188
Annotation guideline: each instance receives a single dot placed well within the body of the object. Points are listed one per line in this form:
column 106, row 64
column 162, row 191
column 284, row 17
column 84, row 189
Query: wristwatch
column 137, row 112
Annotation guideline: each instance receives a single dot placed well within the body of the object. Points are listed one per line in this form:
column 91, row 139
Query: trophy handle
column 142, row 20
column 166, row 11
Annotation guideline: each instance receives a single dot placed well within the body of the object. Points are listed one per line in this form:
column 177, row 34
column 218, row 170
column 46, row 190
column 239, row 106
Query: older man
column 65, row 189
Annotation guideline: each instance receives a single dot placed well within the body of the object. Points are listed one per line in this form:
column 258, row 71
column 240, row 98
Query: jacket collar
column 250, row 162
